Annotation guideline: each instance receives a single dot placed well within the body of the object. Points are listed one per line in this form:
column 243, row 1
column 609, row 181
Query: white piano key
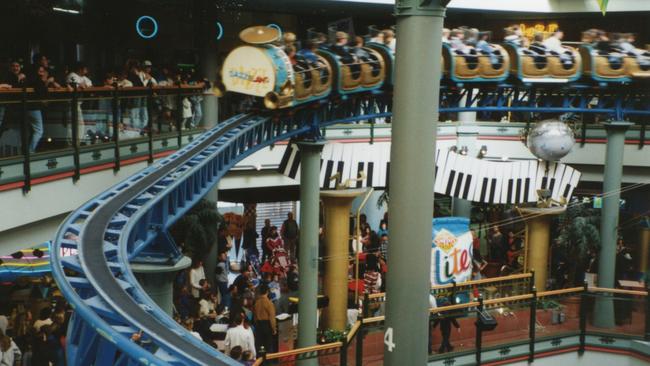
column 442, row 162
column 449, row 167
column 482, row 182
column 564, row 182
column 293, row 158
column 505, row 179
column 348, row 156
column 531, row 195
column 575, row 179
column 556, row 181
column 472, row 178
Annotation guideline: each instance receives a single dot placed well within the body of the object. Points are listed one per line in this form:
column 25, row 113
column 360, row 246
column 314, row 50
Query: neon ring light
column 138, row 26
column 219, row 30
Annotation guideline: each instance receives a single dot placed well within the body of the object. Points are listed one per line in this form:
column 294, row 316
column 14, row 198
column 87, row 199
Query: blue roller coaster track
column 129, row 222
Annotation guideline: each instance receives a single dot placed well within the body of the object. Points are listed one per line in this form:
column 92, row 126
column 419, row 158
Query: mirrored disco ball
column 550, row 140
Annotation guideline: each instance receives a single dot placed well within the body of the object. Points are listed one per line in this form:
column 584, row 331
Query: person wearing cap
column 146, row 75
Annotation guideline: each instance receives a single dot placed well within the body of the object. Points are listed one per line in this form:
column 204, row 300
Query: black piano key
column 294, row 167
column 467, row 184
column 371, row 167
column 328, row 173
column 339, row 169
column 544, row 182
column 285, row 159
column 493, row 190
column 567, row 189
column 518, row 194
column 510, row 186
column 526, row 189
column 359, row 170
column 450, row 182
column 550, row 187
column 387, row 174
column 459, row 182
column 484, row 189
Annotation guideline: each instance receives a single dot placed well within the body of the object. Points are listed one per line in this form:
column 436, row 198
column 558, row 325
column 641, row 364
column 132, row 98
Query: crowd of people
column 95, row 117
column 29, row 341
column 247, row 292
column 470, row 43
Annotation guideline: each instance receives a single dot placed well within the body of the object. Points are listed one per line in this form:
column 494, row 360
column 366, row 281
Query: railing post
column 262, row 354
column 359, row 346
column 116, row 126
column 343, row 352
column 479, row 333
column 531, row 284
column 149, row 100
column 179, row 114
column 583, row 318
column 27, row 171
column 533, row 322
column 372, row 131
column 366, row 305
column 75, row 132
column 647, row 310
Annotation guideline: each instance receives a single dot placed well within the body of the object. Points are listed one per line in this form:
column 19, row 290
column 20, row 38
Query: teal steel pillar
column 158, row 281
column 308, row 254
column 210, row 260
column 210, row 101
column 415, row 111
column 467, row 134
column 604, row 310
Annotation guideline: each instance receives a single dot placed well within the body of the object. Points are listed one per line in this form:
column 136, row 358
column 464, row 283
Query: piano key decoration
column 461, row 176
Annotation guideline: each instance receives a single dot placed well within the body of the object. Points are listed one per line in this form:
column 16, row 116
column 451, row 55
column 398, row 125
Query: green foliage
column 578, row 233
column 197, row 230
column 332, row 335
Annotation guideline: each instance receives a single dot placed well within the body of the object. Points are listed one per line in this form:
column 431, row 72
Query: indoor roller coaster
column 129, row 222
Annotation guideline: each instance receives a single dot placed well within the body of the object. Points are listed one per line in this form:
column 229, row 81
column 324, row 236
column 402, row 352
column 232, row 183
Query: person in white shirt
column 197, row 273
column 189, row 325
column 240, row 335
column 554, row 44
column 79, row 78
column 445, row 35
column 43, row 319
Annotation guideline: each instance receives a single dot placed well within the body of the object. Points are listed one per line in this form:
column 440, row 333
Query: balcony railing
column 529, row 324
column 85, row 130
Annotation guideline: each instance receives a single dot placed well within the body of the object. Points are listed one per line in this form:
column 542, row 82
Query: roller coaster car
column 475, row 67
column 529, row 66
column 598, row 67
column 312, row 79
column 362, row 71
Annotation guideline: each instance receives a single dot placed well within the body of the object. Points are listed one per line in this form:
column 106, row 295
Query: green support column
column 158, row 281
column 415, row 111
column 308, row 254
column 466, row 137
column 604, row 311
column 210, row 101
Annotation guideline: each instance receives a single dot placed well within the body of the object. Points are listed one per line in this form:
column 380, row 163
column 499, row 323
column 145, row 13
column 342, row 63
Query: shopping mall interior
column 324, row 182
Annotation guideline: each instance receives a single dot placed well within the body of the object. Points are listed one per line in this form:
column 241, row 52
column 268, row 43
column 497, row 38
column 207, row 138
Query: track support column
column 415, row 111
column 308, row 254
column 604, row 310
column 158, row 281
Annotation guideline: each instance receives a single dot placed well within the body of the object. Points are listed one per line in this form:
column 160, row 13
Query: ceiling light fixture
column 69, row 11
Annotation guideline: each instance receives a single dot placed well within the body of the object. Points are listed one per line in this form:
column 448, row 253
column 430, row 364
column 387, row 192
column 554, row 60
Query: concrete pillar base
column 158, row 281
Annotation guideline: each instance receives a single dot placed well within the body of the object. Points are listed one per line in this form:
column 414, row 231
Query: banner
column 451, row 251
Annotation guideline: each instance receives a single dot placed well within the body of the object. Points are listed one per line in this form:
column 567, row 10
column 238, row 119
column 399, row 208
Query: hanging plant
column 197, row 229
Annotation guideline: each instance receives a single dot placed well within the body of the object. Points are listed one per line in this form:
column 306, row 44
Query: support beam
column 415, row 111
column 308, row 254
column 604, row 309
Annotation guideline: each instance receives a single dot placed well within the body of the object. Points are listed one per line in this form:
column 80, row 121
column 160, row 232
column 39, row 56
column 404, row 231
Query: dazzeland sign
column 451, row 251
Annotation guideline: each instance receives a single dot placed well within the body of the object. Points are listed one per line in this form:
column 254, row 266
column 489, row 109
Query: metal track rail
column 129, row 222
